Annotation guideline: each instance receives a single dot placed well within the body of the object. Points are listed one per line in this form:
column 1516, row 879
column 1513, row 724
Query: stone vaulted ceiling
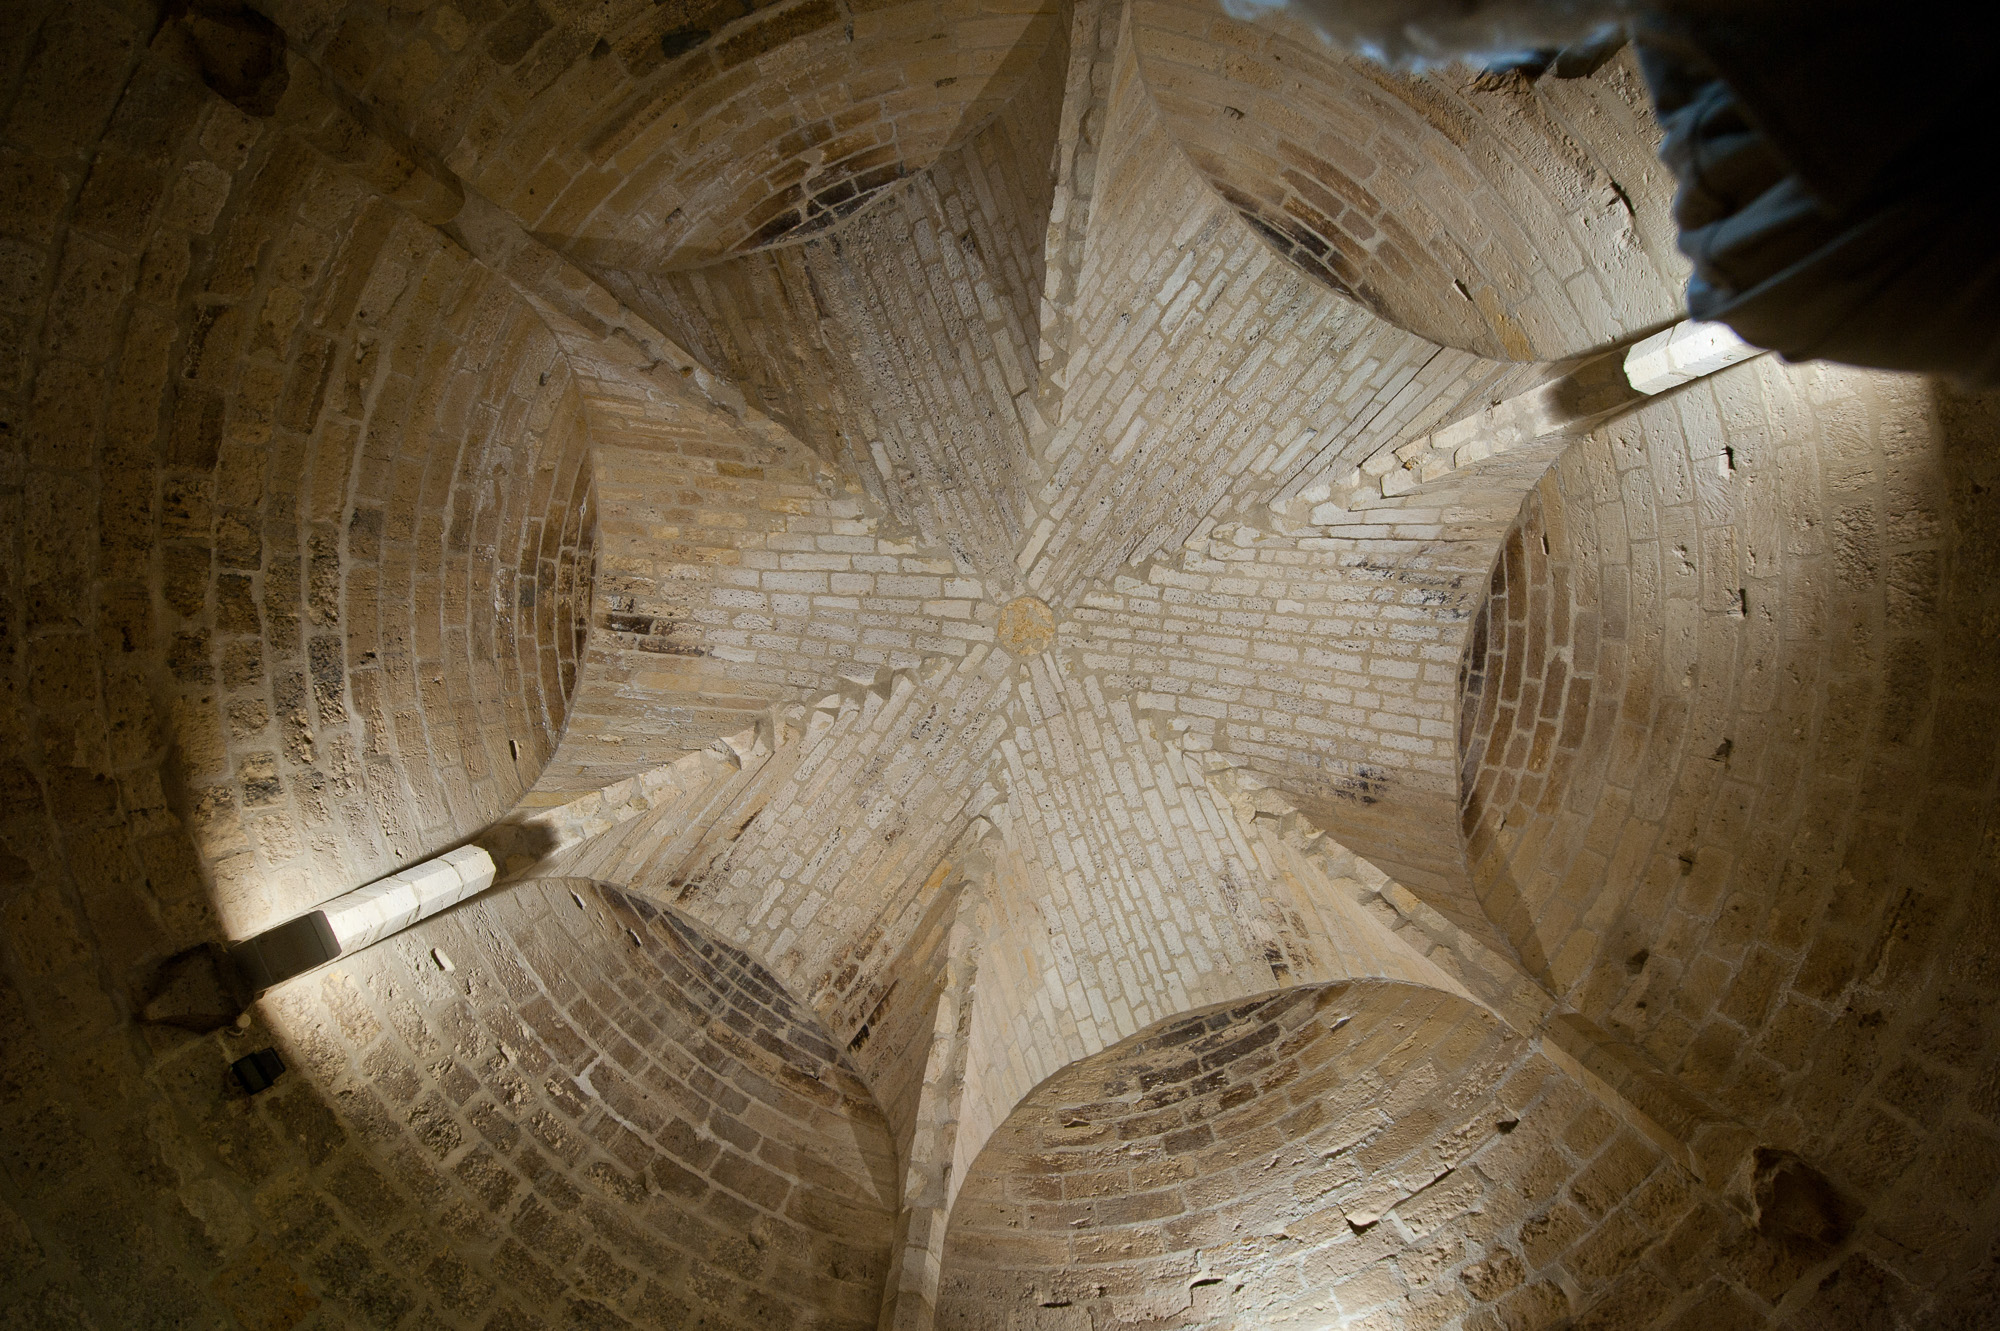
column 1095, row 703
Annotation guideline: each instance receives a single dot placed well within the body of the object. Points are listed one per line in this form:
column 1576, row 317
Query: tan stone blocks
column 1342, row 1253
column 1730, row 807
column 1226, row 105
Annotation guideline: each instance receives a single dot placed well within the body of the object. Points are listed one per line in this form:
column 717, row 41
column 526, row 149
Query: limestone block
column 369, row 914
column 475, row 869
column 1684, row 353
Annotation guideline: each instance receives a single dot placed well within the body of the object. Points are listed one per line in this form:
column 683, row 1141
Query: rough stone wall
column 1377, row 1153
column 309, row 473
column 853, row 834
column 929, row 1178
column 1287, row 651
column 1720, row 737
column 656, row 680
column 1682, row 572
column 892, row 1046
column 90, row 834
column 433, row 676
column 734, row 575
column 703, row 162
column 596, row 1116
column 884, row 1014
column 842, row 789
column 299, row 541
column 1517, row 220
column 1123, row 889
column 1271, row 1164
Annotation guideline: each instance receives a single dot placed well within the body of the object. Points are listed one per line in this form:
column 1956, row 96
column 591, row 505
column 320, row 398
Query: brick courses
column 1519, row 221
column 611, row 436
column 1261, row 1165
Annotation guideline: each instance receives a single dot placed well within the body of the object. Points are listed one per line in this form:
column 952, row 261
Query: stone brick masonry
column 1088, row 709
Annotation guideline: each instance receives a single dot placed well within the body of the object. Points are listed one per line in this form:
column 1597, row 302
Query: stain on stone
column 680, row 41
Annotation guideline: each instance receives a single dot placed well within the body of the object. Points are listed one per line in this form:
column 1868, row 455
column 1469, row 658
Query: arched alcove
column 1518, row 221
column 726, row 134
column 1326, row 1155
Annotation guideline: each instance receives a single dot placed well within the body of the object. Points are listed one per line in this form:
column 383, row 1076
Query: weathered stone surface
column 1027, row 626
column 612, row 436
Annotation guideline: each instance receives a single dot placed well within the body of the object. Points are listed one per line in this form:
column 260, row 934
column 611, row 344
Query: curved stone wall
column 1113, row 906
column 1669, row 625
column 1220, row 371
column 352, row 498
column 402, row 561
column 1726, row 757
column 304, row 542
column 551, row 1105
column 903, row 346
column 1519, row 221
column 642, row 136
column 702, row 160
column 1346, row 696
column 1351, row 1154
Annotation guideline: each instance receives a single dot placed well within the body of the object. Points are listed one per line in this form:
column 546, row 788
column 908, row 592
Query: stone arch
column 1322, row 1153
column 1648, row 583
column 288, row 442
column 805, row 328
column 654, row 129
column 1248, row 911
column 685, row 156
column 1517, row 221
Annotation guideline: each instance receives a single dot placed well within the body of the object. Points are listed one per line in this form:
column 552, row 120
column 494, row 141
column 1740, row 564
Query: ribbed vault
column 1421, row 869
